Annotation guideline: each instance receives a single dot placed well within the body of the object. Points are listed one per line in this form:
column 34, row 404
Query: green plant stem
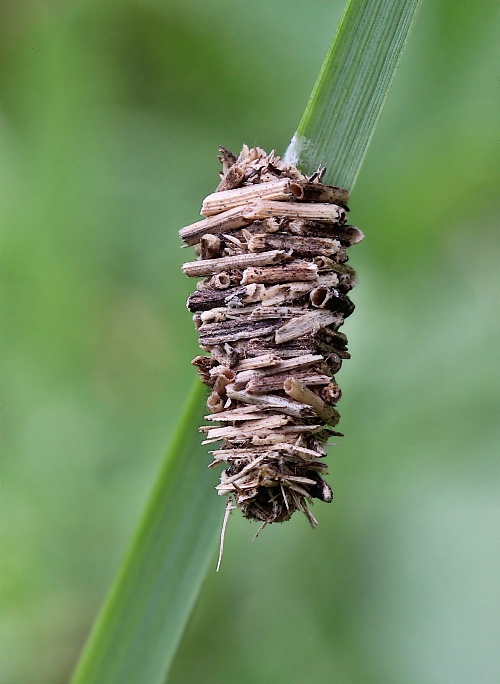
column 143, row 618
column 345, row 104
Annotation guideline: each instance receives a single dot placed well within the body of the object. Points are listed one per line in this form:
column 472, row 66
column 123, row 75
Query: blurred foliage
column 110, row 117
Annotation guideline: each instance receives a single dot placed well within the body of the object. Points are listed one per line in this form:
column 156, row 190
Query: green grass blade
column 141, row 623
column 344, row 107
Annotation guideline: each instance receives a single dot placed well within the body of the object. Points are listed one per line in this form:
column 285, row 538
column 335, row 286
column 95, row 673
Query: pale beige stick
column 285, row 434
column 238, row 453
column 302, row 451
column 296, row 478
column 285, row 497
column 297, row 488
column 207, row 267
column 305, row 510
column 229, row 507
column 304, row 325
column 243, row 431
column 286, row 406
column 241, row 485
column 229, row 220
column 218, row 202
column 327, row 213
column 299, row 271
column 274, row 383
column 263, row 361
column 299, row 362
column 274, row 190
column 242, row 215
column 239, row 414
column 304, row 395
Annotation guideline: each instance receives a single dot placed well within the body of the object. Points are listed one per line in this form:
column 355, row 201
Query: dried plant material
column 298, row 391
column 229, row 220
column 284, row 189
column 272, row 252
column 264, row 361
column 195, row 269
column 228, row 199
column 303, row 325
column 326, row 213
column 272, row 383
column 281, row 367
column 243, row 413
column 296, row 244
column 298, row 271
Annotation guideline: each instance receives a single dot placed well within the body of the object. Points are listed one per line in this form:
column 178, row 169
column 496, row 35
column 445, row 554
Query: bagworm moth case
column 272, row 254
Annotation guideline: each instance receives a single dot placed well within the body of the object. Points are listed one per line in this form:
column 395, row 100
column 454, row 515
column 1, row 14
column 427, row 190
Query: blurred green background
column 110, row 118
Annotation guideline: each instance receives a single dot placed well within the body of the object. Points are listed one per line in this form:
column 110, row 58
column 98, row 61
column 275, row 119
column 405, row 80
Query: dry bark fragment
column 272, row 252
